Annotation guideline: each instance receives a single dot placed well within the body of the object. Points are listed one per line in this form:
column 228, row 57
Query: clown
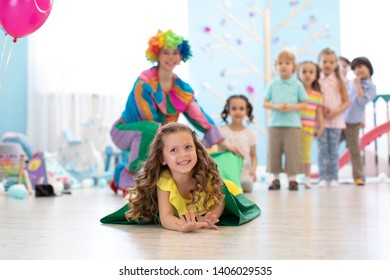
column 158, row 97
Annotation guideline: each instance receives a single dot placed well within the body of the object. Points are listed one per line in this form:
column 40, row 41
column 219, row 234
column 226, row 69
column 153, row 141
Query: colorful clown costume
column 147, row 108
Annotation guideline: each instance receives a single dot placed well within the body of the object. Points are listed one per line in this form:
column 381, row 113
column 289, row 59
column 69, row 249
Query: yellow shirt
column 166, row 183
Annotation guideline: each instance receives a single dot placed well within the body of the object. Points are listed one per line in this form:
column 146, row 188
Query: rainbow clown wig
column 167, row 40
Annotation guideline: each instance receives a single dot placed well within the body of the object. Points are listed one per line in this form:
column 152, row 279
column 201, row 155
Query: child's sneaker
column 293, row 186
column 334, row 184
column 322, row 184
column 275, row 185
column 307, row 183
column 359, row 182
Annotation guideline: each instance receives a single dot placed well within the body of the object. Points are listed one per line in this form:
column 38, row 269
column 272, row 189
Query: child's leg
column 274, row 155
column 306, row 158
column 293, row 151
column 275, row 184
column 353, row 144
column 307, row 139
column 333, row 150
column 307, row 170
column 323, row 154
column 275, row 150
column 246, row 179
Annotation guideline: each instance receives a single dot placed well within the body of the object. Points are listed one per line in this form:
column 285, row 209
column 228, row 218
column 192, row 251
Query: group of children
column 306, row 101
column 171, row 178
column 320, row 103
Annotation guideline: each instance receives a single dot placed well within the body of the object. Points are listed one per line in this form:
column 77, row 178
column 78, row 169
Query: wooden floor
column 344, row 223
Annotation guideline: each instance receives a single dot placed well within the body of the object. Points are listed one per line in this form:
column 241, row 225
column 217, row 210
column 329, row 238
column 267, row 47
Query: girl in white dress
column 238, row 108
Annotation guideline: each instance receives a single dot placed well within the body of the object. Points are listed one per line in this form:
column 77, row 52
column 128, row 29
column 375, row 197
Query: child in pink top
column 336, row 101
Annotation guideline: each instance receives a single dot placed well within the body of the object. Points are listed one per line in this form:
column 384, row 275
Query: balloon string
column 6, row 65
column 2, row 53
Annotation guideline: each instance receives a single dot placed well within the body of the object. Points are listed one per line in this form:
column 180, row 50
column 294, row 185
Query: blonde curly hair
column 143, row 197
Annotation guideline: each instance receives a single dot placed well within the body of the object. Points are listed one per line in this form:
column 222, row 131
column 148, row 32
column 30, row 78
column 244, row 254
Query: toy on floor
column 87, row 183
column 2, row 189
column 36, row 169
column 44, row 168
column 102, row 183
column 83, row 157
column 18, row 191
column 18, row 138
column 58, row 187
column 12, row 168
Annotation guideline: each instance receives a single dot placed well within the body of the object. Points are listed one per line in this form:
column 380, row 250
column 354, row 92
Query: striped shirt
column 308, row 115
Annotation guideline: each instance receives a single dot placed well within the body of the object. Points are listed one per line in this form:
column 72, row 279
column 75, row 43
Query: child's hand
column 325, row 111
column 357, row 80
column 330, row 114
column 225, row 145
column 236, row 151
column 210, row 218
column 318, row 132
column 252, row 173
column 189, row 222
column 279, row 107
column 283, row 107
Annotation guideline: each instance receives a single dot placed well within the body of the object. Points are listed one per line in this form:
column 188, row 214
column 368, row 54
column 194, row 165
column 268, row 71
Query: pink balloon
column 20, row 18
column 44, row 4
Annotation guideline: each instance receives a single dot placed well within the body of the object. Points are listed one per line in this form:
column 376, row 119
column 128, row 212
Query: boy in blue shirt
column 285, row 96
column 361, row 91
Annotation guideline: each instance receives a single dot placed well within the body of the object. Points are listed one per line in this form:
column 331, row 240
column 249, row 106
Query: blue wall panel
column 230, row 46
column 13, row 93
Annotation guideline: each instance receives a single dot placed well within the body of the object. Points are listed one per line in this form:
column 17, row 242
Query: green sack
column 238, row 208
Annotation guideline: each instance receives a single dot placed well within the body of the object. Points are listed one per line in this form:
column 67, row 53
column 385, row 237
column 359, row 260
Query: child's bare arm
column 358, row 85
column 295, row 107
column 366, row 95
column 224, row 145
column 217, row 208
column 168, row 220
column 253, row 162
column 212, row 217
column 344, row 98
column 269, row 105
column 320, row 121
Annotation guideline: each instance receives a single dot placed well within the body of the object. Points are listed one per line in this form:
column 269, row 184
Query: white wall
column 364, row 32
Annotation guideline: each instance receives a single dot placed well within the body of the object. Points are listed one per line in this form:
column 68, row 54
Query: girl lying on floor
column 180, row 187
